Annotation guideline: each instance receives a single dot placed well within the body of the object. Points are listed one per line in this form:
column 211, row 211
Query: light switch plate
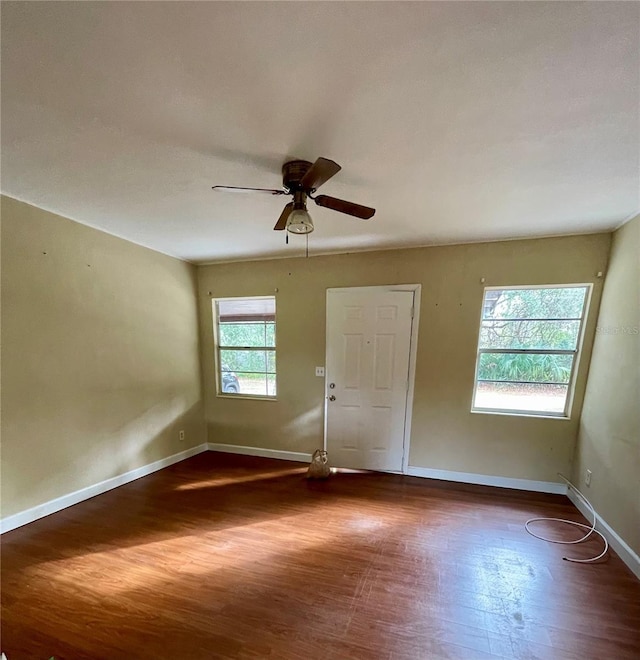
column 320, row 372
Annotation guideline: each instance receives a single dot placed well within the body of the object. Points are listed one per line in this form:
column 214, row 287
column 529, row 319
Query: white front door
column 367, row 376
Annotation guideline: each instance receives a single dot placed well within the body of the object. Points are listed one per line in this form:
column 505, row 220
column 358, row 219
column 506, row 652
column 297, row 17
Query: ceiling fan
column 301, row 179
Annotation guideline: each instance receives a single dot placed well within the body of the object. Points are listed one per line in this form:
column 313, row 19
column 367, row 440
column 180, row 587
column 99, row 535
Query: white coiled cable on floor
column 592, row 529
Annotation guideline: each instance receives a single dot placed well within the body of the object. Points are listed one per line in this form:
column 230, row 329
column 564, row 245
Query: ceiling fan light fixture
column 299, row 222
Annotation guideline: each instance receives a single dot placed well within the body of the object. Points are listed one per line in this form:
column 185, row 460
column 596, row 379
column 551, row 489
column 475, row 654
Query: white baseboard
column 617, row 543
column 488, row 480
column 47, row 508
column 301, row 457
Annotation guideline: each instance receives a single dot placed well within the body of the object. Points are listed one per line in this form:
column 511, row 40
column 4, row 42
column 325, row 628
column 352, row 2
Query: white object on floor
column 590, row 530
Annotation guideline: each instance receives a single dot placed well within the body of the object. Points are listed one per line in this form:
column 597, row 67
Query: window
column 245, row 330
column 528, row 349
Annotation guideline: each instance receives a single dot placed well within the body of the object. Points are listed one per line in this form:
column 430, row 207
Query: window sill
column 515, row 413
column 246, row 397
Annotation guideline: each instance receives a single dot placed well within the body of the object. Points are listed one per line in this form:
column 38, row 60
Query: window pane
column 251, row 361
column 270, row 331
column 271, row 385
column 253, row 384
column 556, row 335
column 525, row 367
column 246, row 334
column 550, row 303
column 271, row 362
column 538, row 398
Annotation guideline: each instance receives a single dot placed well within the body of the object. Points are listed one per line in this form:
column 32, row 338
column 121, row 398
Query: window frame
column 218, row 348
column 576, row 353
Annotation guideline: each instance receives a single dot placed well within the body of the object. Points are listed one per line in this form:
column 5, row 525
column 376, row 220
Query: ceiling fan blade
column 284, row 216
column 340, row 205
column 320, row 172
column 237, row 189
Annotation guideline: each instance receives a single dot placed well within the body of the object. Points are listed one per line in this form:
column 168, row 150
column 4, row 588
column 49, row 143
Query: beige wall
column 100, row 363
column 445, row 435
column 609, row 435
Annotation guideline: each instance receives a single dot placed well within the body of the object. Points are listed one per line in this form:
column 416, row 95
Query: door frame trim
column 416, row 289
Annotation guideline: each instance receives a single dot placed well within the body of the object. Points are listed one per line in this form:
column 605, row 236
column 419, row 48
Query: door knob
column 332, row 398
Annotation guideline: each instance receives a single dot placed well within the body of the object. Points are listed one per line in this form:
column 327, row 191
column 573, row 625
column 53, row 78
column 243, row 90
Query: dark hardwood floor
column 225, row 556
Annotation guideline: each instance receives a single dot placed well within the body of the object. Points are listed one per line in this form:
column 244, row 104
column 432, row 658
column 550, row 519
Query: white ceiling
column 456, row 121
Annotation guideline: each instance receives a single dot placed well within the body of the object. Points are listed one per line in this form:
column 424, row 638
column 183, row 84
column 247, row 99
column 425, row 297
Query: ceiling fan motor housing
column 301, row 179
column 292, row 173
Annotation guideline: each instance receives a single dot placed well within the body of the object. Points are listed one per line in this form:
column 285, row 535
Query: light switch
column 320, row 372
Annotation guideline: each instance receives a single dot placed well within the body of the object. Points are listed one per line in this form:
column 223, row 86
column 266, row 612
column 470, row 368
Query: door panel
column 368, row 342
column 352, row 357
column 383, row 359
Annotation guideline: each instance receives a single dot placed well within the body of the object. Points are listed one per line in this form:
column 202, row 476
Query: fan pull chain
column 307, row 254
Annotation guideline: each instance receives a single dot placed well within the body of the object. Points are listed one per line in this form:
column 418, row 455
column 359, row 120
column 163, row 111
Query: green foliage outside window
column 248, row 333
column 530, row 319
column 248, row 361
column 549, row 303
column 525, row 367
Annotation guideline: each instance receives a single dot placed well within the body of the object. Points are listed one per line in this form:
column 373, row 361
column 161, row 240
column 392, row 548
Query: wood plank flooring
column 225, row 556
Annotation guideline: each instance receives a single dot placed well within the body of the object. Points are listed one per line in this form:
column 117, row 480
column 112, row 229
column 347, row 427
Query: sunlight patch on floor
column 231, row 548
column 216, row 482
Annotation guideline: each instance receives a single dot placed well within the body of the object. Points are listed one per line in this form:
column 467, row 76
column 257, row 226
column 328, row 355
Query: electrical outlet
column 181, row 435
column 587, row 478
column 320, row 372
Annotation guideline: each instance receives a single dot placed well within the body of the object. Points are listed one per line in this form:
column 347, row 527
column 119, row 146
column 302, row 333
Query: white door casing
column 369, row 333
